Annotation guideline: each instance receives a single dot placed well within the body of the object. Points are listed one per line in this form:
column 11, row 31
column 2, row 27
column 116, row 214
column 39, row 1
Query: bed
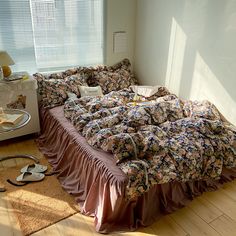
column 99, row 185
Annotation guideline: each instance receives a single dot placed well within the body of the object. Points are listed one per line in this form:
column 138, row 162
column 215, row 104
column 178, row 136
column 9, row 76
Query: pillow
column 54, row 91
column 145, row 91
column 90, row 91
column 114, row 78
column 72, row 96
column 53, row 87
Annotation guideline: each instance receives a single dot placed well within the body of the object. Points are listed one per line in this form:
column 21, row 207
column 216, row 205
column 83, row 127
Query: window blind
column 48, row 35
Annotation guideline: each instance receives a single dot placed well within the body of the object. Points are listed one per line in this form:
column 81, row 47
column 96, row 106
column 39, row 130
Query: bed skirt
column 98, row 185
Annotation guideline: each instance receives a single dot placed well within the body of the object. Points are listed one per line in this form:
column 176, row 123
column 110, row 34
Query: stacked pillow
column 53, row 91
column 54, row 87
column 114, row 78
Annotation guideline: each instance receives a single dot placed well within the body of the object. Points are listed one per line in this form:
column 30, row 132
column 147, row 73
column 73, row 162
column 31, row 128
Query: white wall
column 190, row 47
column 120, row 16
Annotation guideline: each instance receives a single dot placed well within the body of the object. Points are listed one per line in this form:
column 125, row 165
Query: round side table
column 12, row 127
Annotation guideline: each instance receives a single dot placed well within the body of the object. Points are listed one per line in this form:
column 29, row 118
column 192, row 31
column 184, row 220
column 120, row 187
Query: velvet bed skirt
column 98, row 185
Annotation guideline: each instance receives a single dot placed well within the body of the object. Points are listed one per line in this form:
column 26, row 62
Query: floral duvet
column 160, row 139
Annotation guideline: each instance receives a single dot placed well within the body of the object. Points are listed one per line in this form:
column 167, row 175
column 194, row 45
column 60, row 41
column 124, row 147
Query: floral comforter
column 158, row 140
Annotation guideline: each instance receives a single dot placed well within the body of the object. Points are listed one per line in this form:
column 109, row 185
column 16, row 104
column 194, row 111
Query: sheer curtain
column 49, row 35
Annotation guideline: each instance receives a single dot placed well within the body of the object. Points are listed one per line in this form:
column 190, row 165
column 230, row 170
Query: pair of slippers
column 32, row 173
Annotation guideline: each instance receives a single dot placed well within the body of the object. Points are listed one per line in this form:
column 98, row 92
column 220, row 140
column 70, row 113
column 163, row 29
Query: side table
column 21, row 94
column 11, row 128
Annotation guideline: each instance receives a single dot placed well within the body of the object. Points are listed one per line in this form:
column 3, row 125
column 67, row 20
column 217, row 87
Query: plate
column 26, row 118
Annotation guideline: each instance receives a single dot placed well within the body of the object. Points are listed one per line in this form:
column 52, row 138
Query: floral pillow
column 114, row 78
column 54, row 87
column 84, row 73
column 54, row 91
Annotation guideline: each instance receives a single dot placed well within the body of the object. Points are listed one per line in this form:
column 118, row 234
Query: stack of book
column 17, row 76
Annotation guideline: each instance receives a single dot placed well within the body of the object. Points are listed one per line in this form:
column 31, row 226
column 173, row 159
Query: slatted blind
column 48, row 35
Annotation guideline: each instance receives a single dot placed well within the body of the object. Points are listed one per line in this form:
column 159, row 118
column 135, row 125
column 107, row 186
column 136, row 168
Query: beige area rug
column 37, row 205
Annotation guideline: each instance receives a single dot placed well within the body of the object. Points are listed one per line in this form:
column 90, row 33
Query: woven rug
column 37, row 205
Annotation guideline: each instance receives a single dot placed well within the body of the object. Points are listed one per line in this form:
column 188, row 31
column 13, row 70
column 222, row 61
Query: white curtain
column 49, row 35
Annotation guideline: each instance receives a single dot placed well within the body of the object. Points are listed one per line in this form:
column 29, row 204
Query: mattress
column 98, row 185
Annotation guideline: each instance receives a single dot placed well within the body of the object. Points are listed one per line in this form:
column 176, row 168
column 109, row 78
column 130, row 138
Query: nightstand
column 5, row 128
column 21, row 94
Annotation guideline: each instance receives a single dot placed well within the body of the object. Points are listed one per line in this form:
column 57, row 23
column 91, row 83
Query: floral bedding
column 54, row 88
column 158, row 140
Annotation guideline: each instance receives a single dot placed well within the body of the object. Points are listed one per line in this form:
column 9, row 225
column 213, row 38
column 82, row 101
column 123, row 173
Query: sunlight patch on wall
column 205, row 85
column 175, row 58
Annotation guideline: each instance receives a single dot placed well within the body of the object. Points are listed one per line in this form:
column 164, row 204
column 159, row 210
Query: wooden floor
column 213, row 213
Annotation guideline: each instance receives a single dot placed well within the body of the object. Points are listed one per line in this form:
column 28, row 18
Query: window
column 47, row 35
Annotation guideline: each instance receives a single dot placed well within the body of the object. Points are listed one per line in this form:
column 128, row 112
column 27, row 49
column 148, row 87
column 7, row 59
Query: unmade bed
column 98, row 185
column 130, row 159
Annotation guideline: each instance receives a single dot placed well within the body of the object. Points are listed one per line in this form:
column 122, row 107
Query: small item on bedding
column 90, row 91
column 145, row 91
column 36, row 168
column 136, row 97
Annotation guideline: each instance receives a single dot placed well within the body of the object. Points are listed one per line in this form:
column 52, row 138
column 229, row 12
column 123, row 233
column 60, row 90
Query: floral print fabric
column 53, row 90
column 53, row 87
column 156, row 141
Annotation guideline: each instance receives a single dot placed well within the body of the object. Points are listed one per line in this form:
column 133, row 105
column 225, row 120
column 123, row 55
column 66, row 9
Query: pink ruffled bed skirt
column 98, row 185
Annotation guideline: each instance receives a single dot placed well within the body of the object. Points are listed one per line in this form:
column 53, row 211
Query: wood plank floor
column 213, row 213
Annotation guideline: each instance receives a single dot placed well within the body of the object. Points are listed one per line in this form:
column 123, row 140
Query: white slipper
column 36, row 168
column 30, row 177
